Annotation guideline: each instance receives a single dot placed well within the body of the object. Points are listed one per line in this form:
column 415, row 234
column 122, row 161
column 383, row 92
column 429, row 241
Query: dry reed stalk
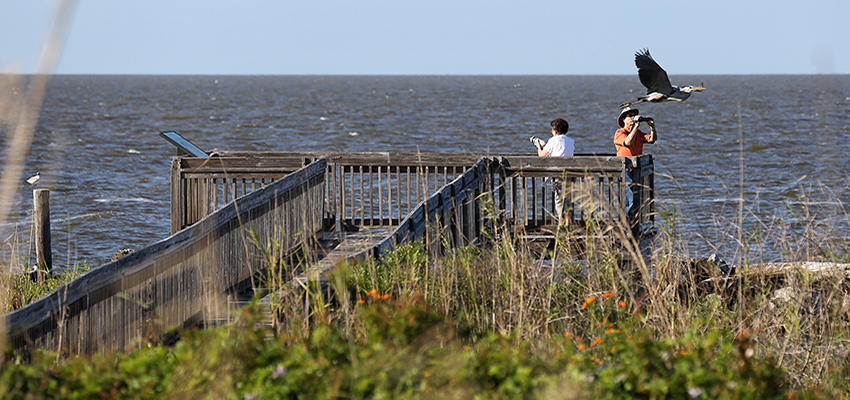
column 21, row 115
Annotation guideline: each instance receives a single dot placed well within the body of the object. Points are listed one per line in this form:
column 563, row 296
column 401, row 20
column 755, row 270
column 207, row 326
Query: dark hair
column 561, row 126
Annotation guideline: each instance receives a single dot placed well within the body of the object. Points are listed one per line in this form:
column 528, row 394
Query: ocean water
column 770, row 151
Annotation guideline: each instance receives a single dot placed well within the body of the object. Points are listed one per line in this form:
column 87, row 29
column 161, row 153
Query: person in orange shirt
column 629, row 140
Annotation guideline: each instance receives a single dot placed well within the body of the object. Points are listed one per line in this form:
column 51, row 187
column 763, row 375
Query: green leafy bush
column 405, row 350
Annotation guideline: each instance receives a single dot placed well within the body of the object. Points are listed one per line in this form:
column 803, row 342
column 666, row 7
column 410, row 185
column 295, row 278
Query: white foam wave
column 128, row 200
column 727, row 200
column 92, row 215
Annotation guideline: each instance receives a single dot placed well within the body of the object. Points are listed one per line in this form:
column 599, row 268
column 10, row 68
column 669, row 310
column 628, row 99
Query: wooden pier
column 226, row 208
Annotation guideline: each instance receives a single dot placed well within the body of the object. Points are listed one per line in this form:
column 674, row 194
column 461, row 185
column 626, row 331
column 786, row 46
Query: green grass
column 19, row 290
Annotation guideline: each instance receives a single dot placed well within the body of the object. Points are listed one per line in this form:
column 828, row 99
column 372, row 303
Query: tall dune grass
column 796, row 311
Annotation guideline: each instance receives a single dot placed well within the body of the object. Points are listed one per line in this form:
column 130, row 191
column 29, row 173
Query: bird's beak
column 699, row 89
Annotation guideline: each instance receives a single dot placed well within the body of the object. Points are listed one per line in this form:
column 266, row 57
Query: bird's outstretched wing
column 651, row 74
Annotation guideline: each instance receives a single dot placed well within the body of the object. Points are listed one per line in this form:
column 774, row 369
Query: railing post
column 637, row 190
column 503, row 181
column 651, row 186
column 178, row 197
column 41, row 219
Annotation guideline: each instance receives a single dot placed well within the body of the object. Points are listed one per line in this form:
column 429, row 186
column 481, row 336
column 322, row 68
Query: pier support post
column 41, row 219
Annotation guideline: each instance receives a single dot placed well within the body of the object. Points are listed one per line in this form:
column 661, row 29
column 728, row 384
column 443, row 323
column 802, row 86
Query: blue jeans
column 630, row 195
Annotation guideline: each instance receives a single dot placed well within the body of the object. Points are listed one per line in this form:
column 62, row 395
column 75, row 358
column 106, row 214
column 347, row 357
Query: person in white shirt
column 560, row 145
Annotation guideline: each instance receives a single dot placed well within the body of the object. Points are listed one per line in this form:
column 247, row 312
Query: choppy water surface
column 98, row 149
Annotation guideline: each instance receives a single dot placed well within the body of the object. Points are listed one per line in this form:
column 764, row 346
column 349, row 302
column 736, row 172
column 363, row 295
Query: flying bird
column 658, row 87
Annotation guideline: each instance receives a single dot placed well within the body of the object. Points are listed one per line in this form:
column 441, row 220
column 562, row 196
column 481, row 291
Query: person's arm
column 653, row 135
column 631, row 136
column 540, row 151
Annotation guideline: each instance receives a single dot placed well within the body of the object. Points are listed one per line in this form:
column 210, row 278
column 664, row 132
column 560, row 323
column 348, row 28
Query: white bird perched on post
column 34, row 179
column 658, row 87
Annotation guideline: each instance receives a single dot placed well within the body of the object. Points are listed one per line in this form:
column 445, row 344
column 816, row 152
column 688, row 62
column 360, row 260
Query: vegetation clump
column 20, row 289
column 405, row 349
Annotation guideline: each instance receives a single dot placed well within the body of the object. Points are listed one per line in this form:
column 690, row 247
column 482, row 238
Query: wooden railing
column 178, row 282
column 595, row 188
column 515, row 186
column 381, row 189
column 450, row 218
column 364, row 189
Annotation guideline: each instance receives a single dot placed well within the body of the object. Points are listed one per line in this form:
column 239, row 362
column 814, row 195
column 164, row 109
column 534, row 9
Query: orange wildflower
column 581, row 346
column 427, row 374
column 361, row 301
column 373, row 292
column 608, row 295
column 567, row 334
column 622, row 303
column 387, row 296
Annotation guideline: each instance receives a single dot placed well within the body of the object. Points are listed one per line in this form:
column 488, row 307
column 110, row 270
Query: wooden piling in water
column 41, row 219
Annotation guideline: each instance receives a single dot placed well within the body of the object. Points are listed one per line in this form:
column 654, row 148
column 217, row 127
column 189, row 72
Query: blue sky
column 431, row 37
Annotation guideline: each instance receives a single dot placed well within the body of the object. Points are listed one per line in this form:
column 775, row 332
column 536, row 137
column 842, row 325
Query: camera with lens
column 643, row 119
column 534, row 139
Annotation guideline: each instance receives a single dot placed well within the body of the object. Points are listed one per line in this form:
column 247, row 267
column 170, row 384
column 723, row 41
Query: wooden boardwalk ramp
column 326, row 253
column 227, row 208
